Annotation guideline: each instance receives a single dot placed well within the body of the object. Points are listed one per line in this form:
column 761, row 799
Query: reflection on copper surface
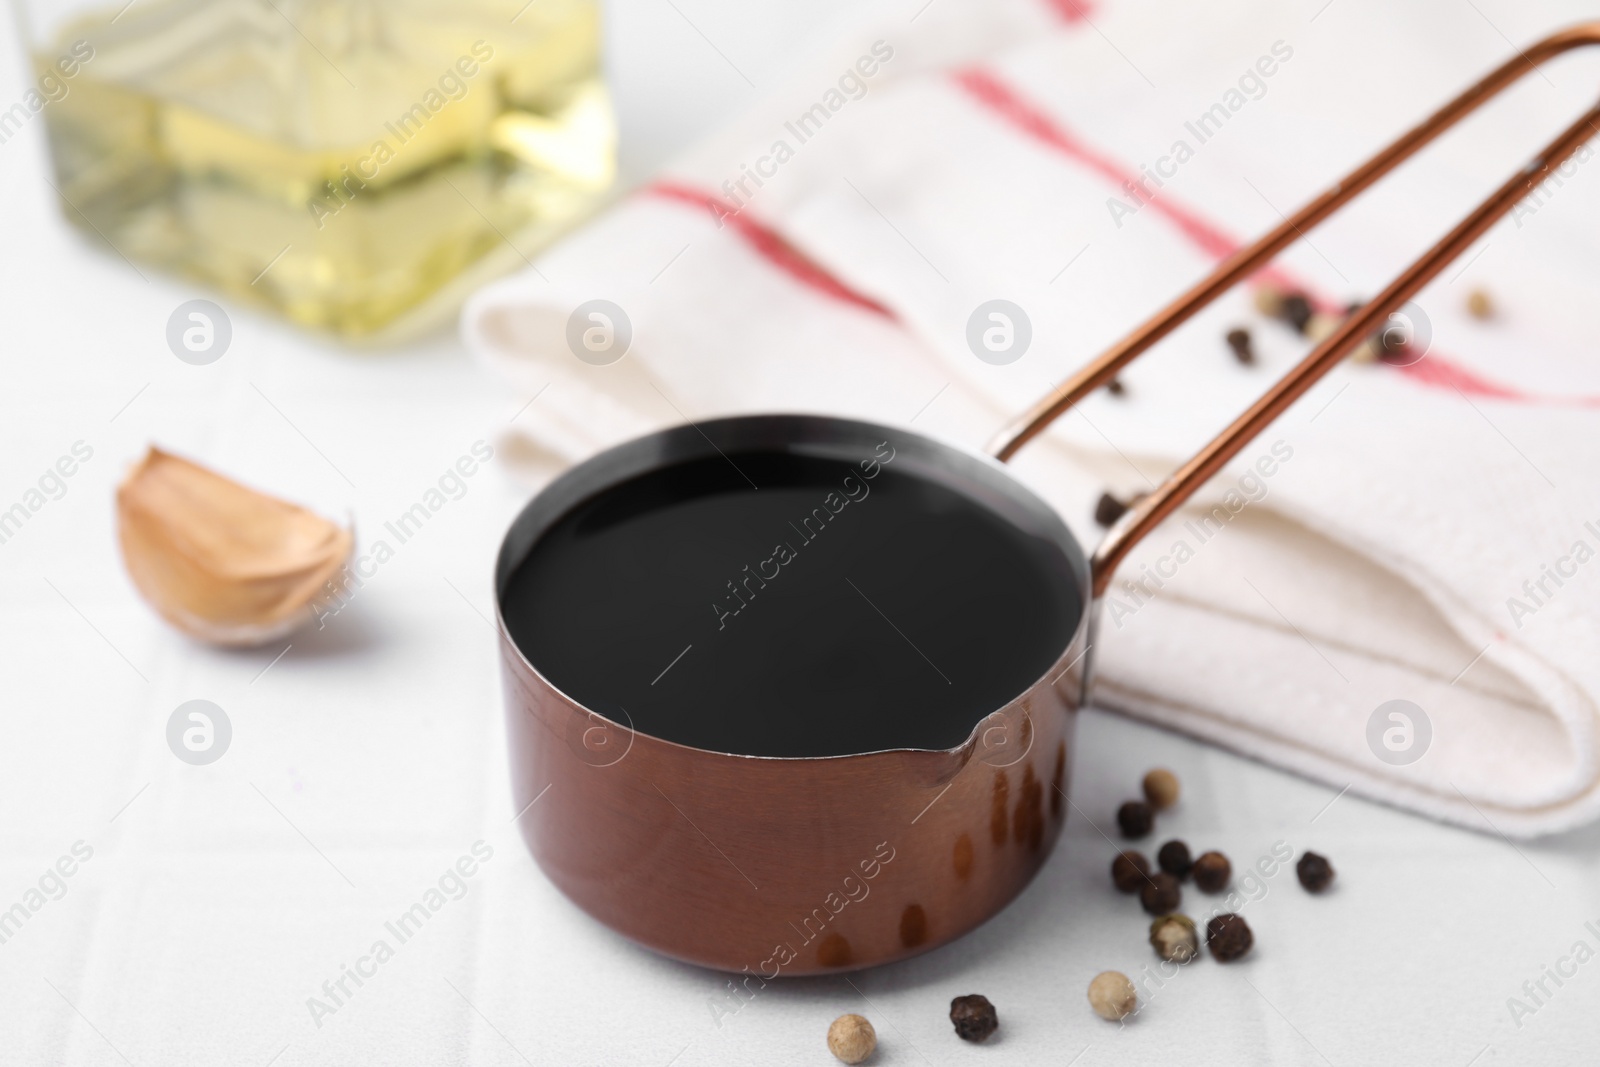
column 1029, row 820
column 833, row 951
column 1058, row 784
column 997, row 815
column 963, row 857
column 913, row 926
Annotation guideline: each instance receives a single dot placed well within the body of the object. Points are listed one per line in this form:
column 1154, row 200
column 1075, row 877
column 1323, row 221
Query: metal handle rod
column 1141, row 519
column 1183, row 483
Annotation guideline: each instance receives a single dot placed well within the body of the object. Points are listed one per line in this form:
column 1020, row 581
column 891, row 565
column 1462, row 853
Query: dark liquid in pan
column 864, row 613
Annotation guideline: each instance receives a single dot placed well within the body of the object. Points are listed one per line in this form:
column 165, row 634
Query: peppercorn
column 1174, row 938
column 1161, row 788
column 1297, row 311
column 1135, row 818
column 1314, row 872
column 1161, row 894
column 1365, row 352
column 1229, row 937
column 1269, row 301
column 1109, row 509
column 1174, row 859
column 1321, row 326
column 1239, row 340
column 1395, row 346
column 1479, row 306
column 1115, row 387
column 974, row 1017
column 1129, row 871
column 1112, row 995
column 1212, row 871
column 851, row 1038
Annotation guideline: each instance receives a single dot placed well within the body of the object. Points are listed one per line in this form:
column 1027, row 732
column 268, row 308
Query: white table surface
column 371, row 755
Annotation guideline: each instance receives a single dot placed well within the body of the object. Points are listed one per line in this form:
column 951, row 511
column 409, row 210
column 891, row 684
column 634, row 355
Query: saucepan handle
column 1361, row 324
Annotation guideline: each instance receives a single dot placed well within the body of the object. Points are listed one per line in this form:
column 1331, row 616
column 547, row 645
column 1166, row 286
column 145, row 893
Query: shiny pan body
column 791, row 866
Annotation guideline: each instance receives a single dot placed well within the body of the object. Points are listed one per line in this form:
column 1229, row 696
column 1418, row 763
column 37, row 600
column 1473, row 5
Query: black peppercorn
column 1239, row 340
column 1129, row 871
column 1314, row 872
column 973, row 1016
column 1115, row 387
column 1135, row 818
column 1174, row 859
column 1161, row 895
column 1212, row 872
column 1297, row 311
column 1108, row 510
column 1229, row 937
column 1397, row 345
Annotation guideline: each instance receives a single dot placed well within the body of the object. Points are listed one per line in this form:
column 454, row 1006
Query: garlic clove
column 222, row 562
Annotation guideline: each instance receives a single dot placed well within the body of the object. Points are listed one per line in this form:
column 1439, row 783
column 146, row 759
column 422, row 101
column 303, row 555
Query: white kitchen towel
column 1424, row 534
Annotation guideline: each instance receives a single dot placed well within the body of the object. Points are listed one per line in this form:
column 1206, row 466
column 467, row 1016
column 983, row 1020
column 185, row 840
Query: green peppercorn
column 1174, row 938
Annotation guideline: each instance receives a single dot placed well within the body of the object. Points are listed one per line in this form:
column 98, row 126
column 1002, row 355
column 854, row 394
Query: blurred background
column 219, row 140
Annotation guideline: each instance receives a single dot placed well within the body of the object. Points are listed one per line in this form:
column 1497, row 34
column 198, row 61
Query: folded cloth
column 1423, row 535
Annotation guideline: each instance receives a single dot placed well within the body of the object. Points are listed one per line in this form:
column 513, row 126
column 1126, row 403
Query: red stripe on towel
column 769, row 244
column 1025, row 116
column 1435, row 370
column 1071, row 11
column 1438, row 372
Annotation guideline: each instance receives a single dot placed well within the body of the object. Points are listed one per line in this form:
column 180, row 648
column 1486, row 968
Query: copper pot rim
column 575, row 480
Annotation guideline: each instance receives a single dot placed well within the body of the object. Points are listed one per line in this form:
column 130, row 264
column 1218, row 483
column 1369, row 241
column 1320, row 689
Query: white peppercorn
column 1112, row 995
column 1269, row 300
column 851, row 1038
column 1479, row 304
column 1161, row 788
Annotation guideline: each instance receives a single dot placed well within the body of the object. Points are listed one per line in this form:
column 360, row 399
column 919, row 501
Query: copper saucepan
column 872, row 851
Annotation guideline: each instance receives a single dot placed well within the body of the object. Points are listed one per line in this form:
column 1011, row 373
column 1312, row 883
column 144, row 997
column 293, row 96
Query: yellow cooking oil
column 347, row 162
